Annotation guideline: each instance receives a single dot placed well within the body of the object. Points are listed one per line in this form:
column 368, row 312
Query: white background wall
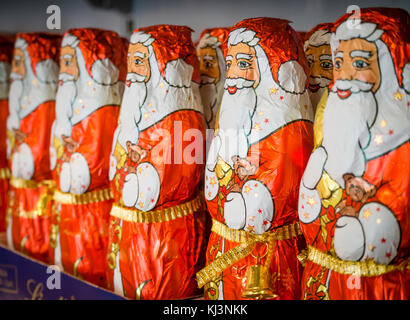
column 24, row 15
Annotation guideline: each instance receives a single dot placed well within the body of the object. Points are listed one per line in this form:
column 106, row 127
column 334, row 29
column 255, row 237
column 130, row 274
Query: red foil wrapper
column 157, row 222
column 33, row 87
column 354, row 195
column 92, row 74
column 256, row 159
column 6, row 56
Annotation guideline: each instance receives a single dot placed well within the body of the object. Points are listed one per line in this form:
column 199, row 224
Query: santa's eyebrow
column 244, row 56
column 360, row 53
column 208, row 57
column 139, row 54
column 229, row 58
column 18, row 57
column 325, row 57
column 339, row 54
column 67, row 56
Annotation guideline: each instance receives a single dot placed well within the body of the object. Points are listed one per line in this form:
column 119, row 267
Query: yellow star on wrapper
column 306, row 215
column 383, row 123
column 378, row 221
column 209, row 194
column 250, row 228
column 161, row 85
column 212, row 182
column 34, row 81
column 371, row 247
column 273, row 90
column 378, row 139
column 398, row 96
column 261, row 113
column 252, row 218
column 247, row 189
column 367, row 214
column 77, row 111
column 141, row 204
column 139, row 170
column 302, row 196
column 257, row 126
column 146, row 115
column 311, row 201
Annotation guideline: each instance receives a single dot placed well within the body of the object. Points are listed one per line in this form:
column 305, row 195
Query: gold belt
column 30, row 184
column 161, row 215
column 246, row 242
column 367, row 268
column 5, row 173
column 42, row 201
column 84, row 198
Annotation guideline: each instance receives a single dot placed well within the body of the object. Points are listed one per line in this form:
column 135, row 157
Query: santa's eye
column 67, row 63
column 243, row 64
column 338, row 64
column 208, row 64
column 360, row 64
column 228, row 64
column 138, row 61
column 326, row 65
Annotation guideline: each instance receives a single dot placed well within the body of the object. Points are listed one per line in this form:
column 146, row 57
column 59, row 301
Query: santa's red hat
column 221, row 34
column 102, row 50
column 169, row 43
column 283, row 48
column 41, row 47
column 394, row 26
column 6, row 47
column 319, row 35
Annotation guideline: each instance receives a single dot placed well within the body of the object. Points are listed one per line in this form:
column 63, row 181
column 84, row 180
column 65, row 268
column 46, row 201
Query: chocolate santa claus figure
column 34, row 75
column 354, row 197
column 254, row 165
column 91, row 83
column 319, row 57
column 6, row 56
column 210, row 51
column 157, row 220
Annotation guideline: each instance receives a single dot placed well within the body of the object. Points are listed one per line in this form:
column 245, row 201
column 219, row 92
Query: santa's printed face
column 138, row 62
column 320, row 65
column 353, row 126
column 208, row 65
column 357, row 59
column 18, row 65
column 68, row 64
column 241, row 63
column 319, row 57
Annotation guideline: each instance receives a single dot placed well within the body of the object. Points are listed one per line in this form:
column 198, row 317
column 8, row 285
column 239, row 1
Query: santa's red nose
column 343, row 94
column 232, row 90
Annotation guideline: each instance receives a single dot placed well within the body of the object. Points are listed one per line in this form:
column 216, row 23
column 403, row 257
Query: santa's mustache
column 354, row 86
column 207, row 80
column 63, row 76
column 239, row 83
column 135, row 77
column 322, row 82
column 16, row 76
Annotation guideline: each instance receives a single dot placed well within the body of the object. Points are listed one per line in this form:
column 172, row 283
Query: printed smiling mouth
column 232, row 90
column 314, row 87
column 343, row 94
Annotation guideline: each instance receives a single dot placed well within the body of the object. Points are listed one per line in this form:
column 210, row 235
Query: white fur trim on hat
column 406, row 77
column 178, row 73
column 105, row 72
column 291, row 77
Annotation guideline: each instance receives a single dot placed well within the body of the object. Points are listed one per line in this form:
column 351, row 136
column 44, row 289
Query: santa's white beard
column 15, row 95
column 209, row 101
column 66, row 94
column 133, row 98
column 235, row 123
column 346, row 132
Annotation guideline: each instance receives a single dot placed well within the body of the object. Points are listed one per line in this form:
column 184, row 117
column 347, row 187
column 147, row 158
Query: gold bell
column 258, row 283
